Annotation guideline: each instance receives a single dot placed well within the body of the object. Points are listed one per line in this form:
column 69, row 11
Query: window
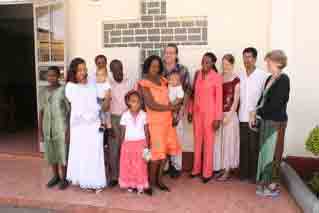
column 50, row 31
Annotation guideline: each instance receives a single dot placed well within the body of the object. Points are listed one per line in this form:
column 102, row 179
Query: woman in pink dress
column 228, row 134
column 206, row 112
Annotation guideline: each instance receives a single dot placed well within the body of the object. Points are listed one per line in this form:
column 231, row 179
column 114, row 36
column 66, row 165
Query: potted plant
column 312, row 145
column 301, row 175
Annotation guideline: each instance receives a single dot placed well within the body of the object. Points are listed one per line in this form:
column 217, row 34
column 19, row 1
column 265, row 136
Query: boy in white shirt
column 175, row 93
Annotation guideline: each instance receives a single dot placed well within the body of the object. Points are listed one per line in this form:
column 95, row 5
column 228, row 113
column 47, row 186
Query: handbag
column 147, row 155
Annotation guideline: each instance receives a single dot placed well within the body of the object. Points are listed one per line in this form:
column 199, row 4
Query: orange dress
column 163, row 136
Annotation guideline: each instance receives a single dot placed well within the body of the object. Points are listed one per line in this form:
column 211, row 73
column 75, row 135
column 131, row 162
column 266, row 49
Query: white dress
column 86, row 155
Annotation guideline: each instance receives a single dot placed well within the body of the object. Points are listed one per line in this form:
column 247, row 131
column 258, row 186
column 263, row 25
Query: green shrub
column 312, row 143
column 314, row 183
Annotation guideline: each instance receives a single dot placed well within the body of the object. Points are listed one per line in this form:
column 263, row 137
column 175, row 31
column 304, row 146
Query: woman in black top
column 271, row 119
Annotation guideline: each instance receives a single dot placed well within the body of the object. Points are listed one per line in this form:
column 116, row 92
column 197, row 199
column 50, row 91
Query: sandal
column 87, row 190
column 271, row 193
column 260, row 190
column 98, row 191
column 274, row 186
column 162, row 187
column 223, row 178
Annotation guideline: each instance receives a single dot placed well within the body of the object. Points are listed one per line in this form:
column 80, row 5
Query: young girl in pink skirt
column 134, row 137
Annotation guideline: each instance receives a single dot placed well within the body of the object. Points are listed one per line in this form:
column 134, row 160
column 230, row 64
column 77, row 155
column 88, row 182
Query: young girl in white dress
column 86, row 156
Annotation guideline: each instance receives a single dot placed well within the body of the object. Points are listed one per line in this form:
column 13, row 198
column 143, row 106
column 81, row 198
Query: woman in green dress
column 54, row 110
column 272, row 114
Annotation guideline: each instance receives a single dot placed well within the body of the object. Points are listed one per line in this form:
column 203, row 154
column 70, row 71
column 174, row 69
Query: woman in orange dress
column 163, row 137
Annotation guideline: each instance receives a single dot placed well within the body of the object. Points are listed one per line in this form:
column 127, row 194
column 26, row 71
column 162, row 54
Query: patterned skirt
column 226, row 147
column 271, row 135
column 133, row 168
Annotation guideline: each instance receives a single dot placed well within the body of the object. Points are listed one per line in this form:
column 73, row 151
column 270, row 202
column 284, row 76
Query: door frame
column 29, row 2
column 35, row 4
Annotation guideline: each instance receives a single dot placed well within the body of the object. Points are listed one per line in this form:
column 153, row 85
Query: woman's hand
column 190, row 117
column 216, row 125
column 106, row 106
column 252, row 120
column 226, row 120
column 173, row 107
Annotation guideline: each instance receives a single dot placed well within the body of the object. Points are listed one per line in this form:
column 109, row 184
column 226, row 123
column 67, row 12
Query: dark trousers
column 249, row 150
column 113, row 150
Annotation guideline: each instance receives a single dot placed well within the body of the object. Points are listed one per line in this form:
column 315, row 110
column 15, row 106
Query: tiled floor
column 22, row 183
column 22, row 141
column 8, row 209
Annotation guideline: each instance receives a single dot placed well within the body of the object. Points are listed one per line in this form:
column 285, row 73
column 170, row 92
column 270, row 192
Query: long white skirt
column 226, row 147
column 86, row 156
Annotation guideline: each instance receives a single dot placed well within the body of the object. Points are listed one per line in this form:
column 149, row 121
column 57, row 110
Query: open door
column 18, row 93
column 50, row 42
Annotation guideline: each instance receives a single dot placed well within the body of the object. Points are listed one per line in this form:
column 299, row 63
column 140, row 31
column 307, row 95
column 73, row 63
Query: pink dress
column 133, row 168
column 226, row 153
column 206, row 108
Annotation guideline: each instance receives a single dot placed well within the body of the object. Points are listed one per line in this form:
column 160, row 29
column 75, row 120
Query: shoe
column 218, row 174
column 148, row 191
column 173, row 172
column 113, row 183
column 54, row 181
column 101, row 128
column 269, row 193
column 206, row 180
column 132, row 190
column 98, row 191
column 166, row 172
column 162, row 187
column 223, row 178
column 63, row 184
column 260, row 190
column 193, row 176
column 176, row 174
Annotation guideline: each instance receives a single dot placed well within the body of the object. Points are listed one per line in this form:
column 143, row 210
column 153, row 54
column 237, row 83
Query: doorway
column 18, row 91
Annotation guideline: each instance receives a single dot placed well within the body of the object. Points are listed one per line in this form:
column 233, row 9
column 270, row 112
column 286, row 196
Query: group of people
column 99, row 132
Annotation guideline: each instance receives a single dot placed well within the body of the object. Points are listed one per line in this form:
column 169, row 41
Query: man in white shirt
column 252, row 81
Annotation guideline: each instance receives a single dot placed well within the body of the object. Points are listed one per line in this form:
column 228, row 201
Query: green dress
column 55, row 108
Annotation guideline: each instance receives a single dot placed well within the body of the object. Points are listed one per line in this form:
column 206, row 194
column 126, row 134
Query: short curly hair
column 148, row 62
column 129, row 94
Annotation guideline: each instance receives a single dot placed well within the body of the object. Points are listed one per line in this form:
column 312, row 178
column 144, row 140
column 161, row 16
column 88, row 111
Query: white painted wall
column 304, row 73
column 85, row 29
column 233, row 25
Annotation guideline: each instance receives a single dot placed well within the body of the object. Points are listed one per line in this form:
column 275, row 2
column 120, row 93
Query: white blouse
column 84, row 106
column 134, row 125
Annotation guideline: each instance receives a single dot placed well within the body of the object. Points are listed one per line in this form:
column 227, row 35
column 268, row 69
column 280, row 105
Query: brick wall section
column 154, row 30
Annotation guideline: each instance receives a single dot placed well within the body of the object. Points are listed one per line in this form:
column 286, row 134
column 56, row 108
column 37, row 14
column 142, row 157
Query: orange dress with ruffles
column 163, row 136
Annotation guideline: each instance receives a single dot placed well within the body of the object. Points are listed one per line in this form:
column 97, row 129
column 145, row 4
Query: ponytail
column 213, row 57
column 215, row 68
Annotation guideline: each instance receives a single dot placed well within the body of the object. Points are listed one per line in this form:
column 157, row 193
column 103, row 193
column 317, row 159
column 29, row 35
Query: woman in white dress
column 86, row 156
